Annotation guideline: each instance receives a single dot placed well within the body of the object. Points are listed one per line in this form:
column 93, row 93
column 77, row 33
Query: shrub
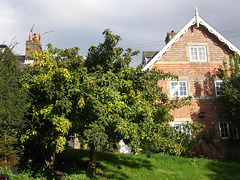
column 181, row 140
column 7, row 171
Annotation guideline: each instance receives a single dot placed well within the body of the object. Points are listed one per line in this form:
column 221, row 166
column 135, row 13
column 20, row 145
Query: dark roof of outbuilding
column 149, row 54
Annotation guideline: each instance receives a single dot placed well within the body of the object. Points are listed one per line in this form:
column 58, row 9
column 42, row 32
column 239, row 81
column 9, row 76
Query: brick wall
column 33, row 44
column 200, row 76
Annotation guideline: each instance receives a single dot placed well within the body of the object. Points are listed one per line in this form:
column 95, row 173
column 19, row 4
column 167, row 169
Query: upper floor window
column 198, row 53
column 227, row 130
column 178, row 89
column 218, row 86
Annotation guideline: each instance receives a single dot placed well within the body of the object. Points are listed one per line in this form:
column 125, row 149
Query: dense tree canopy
column 52, row 85
column 230, row 92
column 101, row 98
column 13, row 106
column 121, row 102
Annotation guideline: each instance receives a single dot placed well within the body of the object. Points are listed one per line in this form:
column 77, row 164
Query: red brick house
column 194, row 54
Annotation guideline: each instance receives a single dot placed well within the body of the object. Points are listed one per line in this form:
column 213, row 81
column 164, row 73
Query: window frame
column 172, row 92
column 216, row 87
column 229, row 131
column 198, row 53
column 180, row 127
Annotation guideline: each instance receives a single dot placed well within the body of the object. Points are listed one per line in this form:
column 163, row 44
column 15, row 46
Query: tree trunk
column 91, row 171
column 5, row 154
column 50, row 170
column 49, row 163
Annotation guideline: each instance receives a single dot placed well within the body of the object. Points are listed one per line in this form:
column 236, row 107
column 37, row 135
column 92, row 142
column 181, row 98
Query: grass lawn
column 150, row 167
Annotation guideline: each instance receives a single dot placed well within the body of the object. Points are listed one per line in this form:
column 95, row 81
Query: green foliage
column 52, row 85
column 120, row 101
column 230, row 97
column 100, row 98
column 13, row 107
column 9, row 148
column 182, row 140
column 23, row 176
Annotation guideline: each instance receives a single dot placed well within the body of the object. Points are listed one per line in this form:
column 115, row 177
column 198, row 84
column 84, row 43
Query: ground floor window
column 71, row 141
column 182, row 127
column 227, row 130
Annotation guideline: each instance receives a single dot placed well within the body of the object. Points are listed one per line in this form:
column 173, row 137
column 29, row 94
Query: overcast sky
column 142, row 24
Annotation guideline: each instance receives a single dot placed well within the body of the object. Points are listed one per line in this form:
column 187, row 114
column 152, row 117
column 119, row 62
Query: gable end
column 196, row 20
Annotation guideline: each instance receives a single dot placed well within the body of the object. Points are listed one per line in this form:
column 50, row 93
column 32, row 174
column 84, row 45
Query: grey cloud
column 81, row 22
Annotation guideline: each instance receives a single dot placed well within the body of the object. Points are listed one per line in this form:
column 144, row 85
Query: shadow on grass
column 72, row 161
column 224, row 170
column 117, row 162
column 109, row 164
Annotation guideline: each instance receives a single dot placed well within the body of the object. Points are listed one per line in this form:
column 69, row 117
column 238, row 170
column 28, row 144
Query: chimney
column 169, row 36
column 33, row 44
column 37, row 37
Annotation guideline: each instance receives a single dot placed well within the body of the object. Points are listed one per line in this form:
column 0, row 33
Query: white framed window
column 182, row 127
column 226, row 130
column 198, row 53
column 218, row 86
column 178, row 89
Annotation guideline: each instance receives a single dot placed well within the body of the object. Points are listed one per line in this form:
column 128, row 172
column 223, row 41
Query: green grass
column 157, row 166
column 73, row 164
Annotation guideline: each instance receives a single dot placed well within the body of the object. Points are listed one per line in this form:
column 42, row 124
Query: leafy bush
column 181, row 140
column 24, row 176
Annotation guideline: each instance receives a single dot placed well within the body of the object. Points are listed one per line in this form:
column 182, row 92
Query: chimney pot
column 170, row 35
column 30, row 37
column 39, row 37
column 34, row 38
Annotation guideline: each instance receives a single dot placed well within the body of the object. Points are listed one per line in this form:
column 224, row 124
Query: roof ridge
column 195, row 20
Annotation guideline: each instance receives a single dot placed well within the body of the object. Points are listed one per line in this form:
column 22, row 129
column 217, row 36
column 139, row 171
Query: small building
column 194, row 54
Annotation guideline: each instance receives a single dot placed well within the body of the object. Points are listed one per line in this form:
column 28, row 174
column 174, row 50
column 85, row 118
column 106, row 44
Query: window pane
column 227, row 130
column 181, row 127
column 194, row 53
column 232, row 131
column 183, row 89
column 224, row 130
column 174, row 88
column 198, row 53
column 178, row 89
column 218, row 85
column 202, row 54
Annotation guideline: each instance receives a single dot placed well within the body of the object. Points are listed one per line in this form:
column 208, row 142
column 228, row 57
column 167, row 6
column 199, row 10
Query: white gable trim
column 192, row 22
column 218, row 35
